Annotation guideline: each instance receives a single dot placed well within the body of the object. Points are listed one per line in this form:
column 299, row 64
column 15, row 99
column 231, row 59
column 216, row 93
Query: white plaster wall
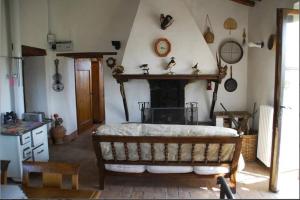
column 5, row 90
column 188, row 47
column 261, row 62
column 91, row 25
column 34, row 76
column 218, row 12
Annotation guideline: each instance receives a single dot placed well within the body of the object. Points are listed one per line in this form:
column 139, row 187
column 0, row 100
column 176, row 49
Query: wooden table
column 32, row 192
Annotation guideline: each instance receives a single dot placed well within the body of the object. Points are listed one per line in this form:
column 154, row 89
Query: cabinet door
column 39, row 136
column 40, row 153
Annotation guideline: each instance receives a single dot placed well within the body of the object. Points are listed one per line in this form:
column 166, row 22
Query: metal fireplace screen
column 176, row 115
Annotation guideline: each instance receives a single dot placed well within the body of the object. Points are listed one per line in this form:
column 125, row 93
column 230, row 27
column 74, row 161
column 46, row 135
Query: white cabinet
column 32, row 145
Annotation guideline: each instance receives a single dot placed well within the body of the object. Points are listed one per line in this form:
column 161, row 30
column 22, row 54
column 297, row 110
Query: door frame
column 100, row 92
column 278, row 95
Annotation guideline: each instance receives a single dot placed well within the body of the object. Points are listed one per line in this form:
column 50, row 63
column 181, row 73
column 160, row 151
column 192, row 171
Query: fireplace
column 167, row 104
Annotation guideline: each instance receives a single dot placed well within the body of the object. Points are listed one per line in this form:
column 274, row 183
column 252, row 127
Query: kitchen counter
column 21, row 127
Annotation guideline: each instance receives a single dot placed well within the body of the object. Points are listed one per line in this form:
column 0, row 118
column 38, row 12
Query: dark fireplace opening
column 167, row 93
column 167, row 104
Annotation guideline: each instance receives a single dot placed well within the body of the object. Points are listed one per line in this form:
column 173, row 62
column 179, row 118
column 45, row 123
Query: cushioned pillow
column 168, row 169
column 208, row 170
column 126, row 168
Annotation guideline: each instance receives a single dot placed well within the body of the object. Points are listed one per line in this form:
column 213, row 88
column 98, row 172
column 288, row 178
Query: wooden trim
column 126, row 77
column 86, row 54
column 279, row 73
column 245, row 2
column 32, row 51
column 277, row 96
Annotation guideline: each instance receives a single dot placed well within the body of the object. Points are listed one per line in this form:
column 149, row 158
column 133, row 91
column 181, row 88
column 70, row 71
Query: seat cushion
column 168, row 169
column 209, row 170
column 126, row 168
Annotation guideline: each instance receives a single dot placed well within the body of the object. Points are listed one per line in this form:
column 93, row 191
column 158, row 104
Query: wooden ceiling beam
column 245, row 2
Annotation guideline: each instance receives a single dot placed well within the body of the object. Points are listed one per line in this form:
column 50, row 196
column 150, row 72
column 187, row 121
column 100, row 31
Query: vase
column 58, row 134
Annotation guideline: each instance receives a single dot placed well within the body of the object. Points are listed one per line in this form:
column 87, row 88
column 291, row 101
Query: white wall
column 218, row 12
column 5, row 90
column 261, row 65
column 91, row 25
column 188, row 47
column 34, row 76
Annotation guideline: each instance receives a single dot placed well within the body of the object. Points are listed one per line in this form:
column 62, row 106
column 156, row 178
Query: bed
column 149, row 149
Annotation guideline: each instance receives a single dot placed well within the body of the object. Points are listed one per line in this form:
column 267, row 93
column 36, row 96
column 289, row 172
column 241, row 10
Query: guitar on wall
column 57, row 86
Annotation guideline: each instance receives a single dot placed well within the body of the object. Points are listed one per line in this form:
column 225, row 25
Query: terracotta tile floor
column 252, row 181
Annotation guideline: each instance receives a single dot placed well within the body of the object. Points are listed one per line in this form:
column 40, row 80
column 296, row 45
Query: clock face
column 162, row 47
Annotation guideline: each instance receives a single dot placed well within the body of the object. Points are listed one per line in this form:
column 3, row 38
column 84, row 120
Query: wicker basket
column 249, row 147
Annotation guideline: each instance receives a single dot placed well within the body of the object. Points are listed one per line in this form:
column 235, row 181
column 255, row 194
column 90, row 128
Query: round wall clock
column 162, row 47
column 231, row 52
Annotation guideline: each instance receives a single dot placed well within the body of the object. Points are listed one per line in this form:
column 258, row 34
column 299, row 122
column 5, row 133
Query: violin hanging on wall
column 57, row 86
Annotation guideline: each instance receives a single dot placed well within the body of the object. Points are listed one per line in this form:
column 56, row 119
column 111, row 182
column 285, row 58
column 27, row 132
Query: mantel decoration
column 111, row 62
column 230, row 24
column 170, row 65
column 196, row 71
column 162, row 47
column 57, row 85
column 165, row 21
column 209, row 35
column 145, row 69
column 58, row 130
column 231, row 51
column 244, row 36
column 119, row 69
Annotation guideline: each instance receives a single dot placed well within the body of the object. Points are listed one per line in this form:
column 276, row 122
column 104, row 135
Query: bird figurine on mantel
column 170, row 65
column 196, row 71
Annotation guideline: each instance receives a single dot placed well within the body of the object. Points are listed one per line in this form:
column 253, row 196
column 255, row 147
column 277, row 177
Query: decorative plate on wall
column 162, row 47
column 231, row 52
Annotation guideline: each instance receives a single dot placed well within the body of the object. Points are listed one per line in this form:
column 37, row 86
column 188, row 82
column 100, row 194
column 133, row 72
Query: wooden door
column 98, row 91
column 83, row 85
column 284, row 16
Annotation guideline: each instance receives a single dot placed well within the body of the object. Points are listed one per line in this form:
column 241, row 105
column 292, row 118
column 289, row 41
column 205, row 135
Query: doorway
column 33, row 65
column 285, row 155
column 89, row 86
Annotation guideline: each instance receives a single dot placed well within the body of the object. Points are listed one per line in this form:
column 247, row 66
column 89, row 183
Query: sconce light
column 257, row 44
column 116, row 44
column 165, row 21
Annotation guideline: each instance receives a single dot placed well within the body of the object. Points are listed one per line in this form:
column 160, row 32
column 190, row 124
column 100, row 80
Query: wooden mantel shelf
column 126, row 77
column 86, row 54
column 216, row 78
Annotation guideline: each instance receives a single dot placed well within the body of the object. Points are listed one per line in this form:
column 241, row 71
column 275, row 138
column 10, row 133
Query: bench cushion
column 168, row 169
column 126, row 168
column 166, row 130
column 208, row 170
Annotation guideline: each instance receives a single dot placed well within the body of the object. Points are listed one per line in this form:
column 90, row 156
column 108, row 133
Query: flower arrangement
column 57, row 120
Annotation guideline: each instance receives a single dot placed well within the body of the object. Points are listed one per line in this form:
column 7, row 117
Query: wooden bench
column 166, row 140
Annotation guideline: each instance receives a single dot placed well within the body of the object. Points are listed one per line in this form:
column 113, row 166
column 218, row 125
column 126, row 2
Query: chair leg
column 233, row 182
column 101, row 176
